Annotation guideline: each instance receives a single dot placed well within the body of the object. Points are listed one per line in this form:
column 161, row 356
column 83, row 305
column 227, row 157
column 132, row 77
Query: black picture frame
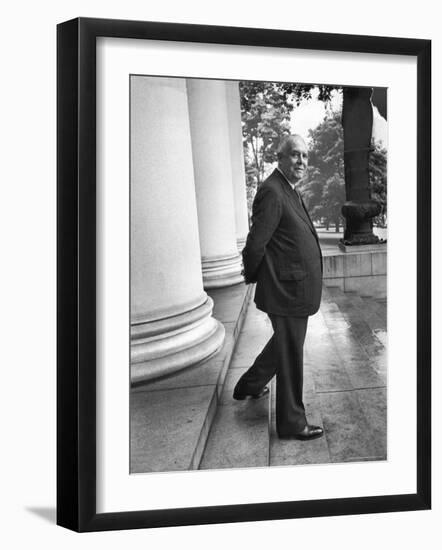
column 76, row 273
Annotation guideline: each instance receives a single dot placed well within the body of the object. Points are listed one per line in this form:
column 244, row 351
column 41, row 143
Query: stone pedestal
column 221, row 263
column 237, row 162
column 171, row 322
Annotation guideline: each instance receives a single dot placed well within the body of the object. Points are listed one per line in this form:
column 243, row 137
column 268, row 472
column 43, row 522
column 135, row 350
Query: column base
column 240, row 243
column 222, row 271
column 167, row 345
column 358, row 227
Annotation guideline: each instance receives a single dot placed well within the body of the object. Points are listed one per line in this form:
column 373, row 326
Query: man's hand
column 267, row 212
column 246, row 279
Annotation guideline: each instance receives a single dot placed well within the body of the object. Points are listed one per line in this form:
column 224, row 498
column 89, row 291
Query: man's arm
column 267, row 211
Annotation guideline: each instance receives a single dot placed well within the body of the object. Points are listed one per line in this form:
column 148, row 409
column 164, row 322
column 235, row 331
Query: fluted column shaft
column 171, row 322
column 211, row 152
column 237, row 162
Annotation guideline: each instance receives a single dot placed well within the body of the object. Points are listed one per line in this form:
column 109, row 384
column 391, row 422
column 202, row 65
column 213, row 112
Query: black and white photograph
column 258, row 274
column 221, row 251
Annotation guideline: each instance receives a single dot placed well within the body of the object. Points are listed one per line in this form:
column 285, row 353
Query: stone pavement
column 189, row 420
column 344, row 391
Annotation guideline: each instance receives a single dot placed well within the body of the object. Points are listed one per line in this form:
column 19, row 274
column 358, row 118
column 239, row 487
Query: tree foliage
column 324, row 187
column 378, row 180
column 266, row 111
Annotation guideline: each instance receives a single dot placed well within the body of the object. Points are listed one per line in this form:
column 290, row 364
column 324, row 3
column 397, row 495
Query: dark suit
column 282, row 255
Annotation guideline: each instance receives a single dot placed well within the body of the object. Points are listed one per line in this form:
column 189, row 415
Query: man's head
column 293, row 157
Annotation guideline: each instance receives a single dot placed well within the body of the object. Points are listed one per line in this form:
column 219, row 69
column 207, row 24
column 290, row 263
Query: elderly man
column 282, row 255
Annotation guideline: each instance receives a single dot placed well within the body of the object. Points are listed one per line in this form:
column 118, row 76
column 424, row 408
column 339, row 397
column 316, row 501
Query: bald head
column 293, row 157
column 288, row 142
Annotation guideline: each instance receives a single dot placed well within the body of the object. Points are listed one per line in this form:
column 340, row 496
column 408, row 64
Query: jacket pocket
column 291, row 274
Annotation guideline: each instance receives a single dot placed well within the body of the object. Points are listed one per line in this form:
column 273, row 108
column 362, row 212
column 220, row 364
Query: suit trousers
column 283, row 356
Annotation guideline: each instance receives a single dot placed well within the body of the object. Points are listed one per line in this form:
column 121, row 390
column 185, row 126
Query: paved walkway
column 344, row 391
column 189, row 420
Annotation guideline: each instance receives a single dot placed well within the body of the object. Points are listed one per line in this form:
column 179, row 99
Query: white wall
column 28, row 271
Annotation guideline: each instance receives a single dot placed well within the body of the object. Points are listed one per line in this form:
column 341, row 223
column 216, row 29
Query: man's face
column 294, row 160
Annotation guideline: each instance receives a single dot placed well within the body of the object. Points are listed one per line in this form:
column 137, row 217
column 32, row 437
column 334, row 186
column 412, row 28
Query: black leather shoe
column 309, row 432
column 241, row 396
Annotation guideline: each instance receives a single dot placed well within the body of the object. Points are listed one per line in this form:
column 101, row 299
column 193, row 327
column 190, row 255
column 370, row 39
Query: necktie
column 299, row 197
column 301, row 202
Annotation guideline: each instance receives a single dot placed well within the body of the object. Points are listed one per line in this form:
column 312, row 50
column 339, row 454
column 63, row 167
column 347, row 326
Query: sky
column 311, row 112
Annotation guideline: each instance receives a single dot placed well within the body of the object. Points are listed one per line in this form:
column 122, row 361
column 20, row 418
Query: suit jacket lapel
column 307, row 214
column 298, row 206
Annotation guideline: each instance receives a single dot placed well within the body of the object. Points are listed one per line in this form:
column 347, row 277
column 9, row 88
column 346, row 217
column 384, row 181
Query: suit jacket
column 282, row 253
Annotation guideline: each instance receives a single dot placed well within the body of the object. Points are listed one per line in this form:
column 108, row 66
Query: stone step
column 171, row 417
column 365, row 307
column 363, row 320
column 375, row 317
column 369, row 310
column 353, row 416
column 358, row 346
column 354, row 432
column 165, row 440
column 323, row 364
column 291, row 452
column 353, row 419
column 379, row 305
column 345, row 355
column 239, row 437
column 344, row 391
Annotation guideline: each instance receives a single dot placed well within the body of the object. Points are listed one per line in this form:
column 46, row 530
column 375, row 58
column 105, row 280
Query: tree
column 266, row 111
column 324, row 188
column 378, row 180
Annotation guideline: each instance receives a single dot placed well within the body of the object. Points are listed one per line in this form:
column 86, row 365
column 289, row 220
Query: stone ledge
column 380, row 247
column 349, row 264
column 371, row 285
column 363, row 271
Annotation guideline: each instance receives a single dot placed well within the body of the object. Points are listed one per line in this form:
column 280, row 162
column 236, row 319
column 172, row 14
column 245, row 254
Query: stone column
column 237, row 161
column 359, row 209
column 209, row 128
column 171, row 316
